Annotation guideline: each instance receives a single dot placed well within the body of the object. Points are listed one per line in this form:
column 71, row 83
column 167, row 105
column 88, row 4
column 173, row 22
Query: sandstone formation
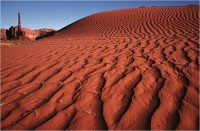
column 3, row 34
column 31, row 34
column 18, row 32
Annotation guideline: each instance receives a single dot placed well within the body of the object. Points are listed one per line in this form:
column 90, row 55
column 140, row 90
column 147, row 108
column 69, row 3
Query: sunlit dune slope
column 145, row 20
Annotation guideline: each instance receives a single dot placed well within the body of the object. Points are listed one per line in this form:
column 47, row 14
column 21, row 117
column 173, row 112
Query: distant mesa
column 18, row 32
column 143, row 6
column 193, row 5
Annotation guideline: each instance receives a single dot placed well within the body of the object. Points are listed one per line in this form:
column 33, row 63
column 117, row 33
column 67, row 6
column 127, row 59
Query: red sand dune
column 124, row 70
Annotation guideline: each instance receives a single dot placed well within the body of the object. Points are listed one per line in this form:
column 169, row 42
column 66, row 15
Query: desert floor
column 125, row 70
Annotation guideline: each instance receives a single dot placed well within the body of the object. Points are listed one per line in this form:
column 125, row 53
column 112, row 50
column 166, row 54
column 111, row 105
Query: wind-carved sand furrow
column 188, row 121
column 27, row 78
column 19, row 93
column 17, row 74
column 145, row 97
column 39, row 60
column 188, row 102
column 65, row 116
column 7, row 109
column 7, row 124
column 113, row 76
column 83, row 73
column 60, row 100
column 36, row 82
column 29, row 104
column 151, row 27
column 171, row 93
column 60, row 77
column 8, row 71
column 44, row 75
column 179, row 58
column 117, row 95
column 33, row 56
column 89, row 105
column 11, row 69
column 191, row 20
column 146, row 28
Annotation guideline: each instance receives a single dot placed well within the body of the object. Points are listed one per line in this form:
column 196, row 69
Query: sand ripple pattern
column 119, row 70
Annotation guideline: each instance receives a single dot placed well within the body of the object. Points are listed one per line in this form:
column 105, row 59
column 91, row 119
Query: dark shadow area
column 45, row 35
column 9, row 34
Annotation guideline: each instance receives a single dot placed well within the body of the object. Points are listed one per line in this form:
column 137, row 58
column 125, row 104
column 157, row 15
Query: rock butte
column 20, row 33
column 30, row 34
column 124, row 69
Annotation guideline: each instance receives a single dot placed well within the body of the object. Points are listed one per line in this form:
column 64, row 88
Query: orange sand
column 124, row 70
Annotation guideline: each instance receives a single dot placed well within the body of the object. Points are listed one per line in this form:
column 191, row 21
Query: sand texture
column 130, row 69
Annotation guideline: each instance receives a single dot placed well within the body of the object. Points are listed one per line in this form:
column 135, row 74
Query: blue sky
column 58, row 14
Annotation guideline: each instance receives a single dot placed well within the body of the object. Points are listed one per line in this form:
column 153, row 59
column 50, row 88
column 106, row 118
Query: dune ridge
column 130, row 69
column 140, row 21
